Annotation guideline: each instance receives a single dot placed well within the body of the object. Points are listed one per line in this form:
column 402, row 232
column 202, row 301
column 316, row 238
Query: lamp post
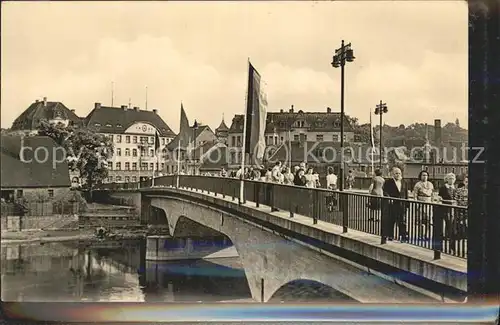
column 380, row 110
column 195, row 128
column 342, row 55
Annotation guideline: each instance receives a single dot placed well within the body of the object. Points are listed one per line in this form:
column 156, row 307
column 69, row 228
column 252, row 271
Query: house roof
column 118, row 119
column 175, row 142
column 222, row 127
column 216, row 159
column 283, row 121
column 20, row 169
column 39, row 110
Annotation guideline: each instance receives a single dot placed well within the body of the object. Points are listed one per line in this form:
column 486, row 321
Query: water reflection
column 77, row 272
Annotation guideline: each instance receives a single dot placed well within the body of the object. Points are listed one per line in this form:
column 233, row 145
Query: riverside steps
column 326, row 225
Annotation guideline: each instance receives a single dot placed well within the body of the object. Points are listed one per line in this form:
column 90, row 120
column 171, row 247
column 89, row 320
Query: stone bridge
column 277, row 250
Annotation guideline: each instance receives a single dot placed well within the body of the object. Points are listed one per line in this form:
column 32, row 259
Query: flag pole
column 178, row 162
column 242, row 176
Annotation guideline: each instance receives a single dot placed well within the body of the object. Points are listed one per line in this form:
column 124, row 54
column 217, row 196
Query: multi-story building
column 53, row 112
column 203, row 137
column 221, row 132
column 133, row 133
column 291, row 126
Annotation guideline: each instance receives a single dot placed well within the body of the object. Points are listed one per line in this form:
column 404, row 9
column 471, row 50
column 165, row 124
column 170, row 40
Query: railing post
column 315, row 207
column 345, row 210
column 271, row 197
column 256, row 192
column 384, row 215
column 437, row 230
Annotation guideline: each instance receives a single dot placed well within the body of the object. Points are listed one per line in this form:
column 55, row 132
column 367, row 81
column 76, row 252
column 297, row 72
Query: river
column 118, row 271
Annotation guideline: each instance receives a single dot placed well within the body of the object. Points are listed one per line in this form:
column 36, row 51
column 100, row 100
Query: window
column 233, row 157
column 335, row 137
column 162, row 166
column 111, row 137
column 127, row 152
column 163, row 141
column 134, row 166
column 151, row 166
column 151, row 152
column 118, row 125
column 453, row 169
column 118, row 166
column 438, row 170
column 127, row 166
column 295, row 137
column 336, row 124
column 143, row 152
column 305, row 137
column 110, row 179
column 134, row 152
column 144, row 166
column 151, row 140
column 144, row 140
column 127, row 139
column 118, row 139
column 127, row 179
column 134, row 139
column 282, row 139
column 108, row 125
column 118, row 179
column 118, row 151
column 156, row 166
column 446, row 170
column 98, row 124
column 110, row 165
column 51, row 193
column 134, row 179
column 239, row 143
column 319, row 137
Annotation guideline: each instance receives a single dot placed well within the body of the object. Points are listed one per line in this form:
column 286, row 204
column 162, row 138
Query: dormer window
column 336, row 123
column 118, row 125
column 98, row 124
column 300, row 124
column 108, row 125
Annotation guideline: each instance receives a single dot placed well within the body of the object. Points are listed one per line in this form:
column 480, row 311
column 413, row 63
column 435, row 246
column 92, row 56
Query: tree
column 90, row 152
column 58, row 132
column 86, row 150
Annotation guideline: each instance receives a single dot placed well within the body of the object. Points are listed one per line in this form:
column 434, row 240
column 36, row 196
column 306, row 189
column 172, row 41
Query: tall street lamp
column 342, row 55
column 195, row 128
column 381, row 109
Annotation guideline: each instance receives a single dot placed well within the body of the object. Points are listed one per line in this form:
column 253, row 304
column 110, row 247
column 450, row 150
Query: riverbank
column 48, row 236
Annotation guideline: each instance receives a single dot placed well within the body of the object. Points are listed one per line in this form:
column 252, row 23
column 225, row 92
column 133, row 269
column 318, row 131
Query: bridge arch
column 271, row 262
column 306, row 290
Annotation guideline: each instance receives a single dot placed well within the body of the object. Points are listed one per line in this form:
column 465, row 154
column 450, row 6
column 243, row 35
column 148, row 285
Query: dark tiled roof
column 175, row 142
column 283, row 121
column 117, row 120
column 222, row 127
column 37, row 111
column 32, row 173
column 216, row 159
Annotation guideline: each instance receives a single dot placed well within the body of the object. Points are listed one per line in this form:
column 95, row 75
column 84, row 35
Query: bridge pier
column 167, row 248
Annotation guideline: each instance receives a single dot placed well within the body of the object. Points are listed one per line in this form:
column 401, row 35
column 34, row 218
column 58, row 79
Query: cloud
column 408, row 54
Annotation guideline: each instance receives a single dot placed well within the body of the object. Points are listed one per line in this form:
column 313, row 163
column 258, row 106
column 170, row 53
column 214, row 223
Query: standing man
column 276, row 172
column 396, row 209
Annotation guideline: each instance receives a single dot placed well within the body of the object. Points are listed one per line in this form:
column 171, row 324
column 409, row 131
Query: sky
column 411, row 55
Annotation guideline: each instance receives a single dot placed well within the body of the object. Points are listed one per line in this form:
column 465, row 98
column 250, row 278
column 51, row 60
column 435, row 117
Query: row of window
column 137, row 139
column 127, row 165
column 445, row 170
column 273, row 140
column 118, row 152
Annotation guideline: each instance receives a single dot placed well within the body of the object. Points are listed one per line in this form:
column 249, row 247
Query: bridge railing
column 438, row 227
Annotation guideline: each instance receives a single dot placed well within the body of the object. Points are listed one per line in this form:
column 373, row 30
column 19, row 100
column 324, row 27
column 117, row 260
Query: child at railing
column 375, row 202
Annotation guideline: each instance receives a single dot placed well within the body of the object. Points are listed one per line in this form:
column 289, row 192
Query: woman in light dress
column 376, row 192
column 288, row 177
column 423, row 192
column 310, row 178
column 459, row 222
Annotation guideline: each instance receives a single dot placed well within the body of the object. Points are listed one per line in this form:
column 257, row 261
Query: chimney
column 155, row 111
column 438, row 140
column 136, row 108
column 36, row 101
column 73, row 110
column 124, row 107
column 45, row 101
column 328, row 110
column 291, row 109
column 281, row 110
column 97, row 105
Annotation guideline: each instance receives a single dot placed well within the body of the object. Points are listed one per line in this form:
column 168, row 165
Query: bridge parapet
column 434, row 226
